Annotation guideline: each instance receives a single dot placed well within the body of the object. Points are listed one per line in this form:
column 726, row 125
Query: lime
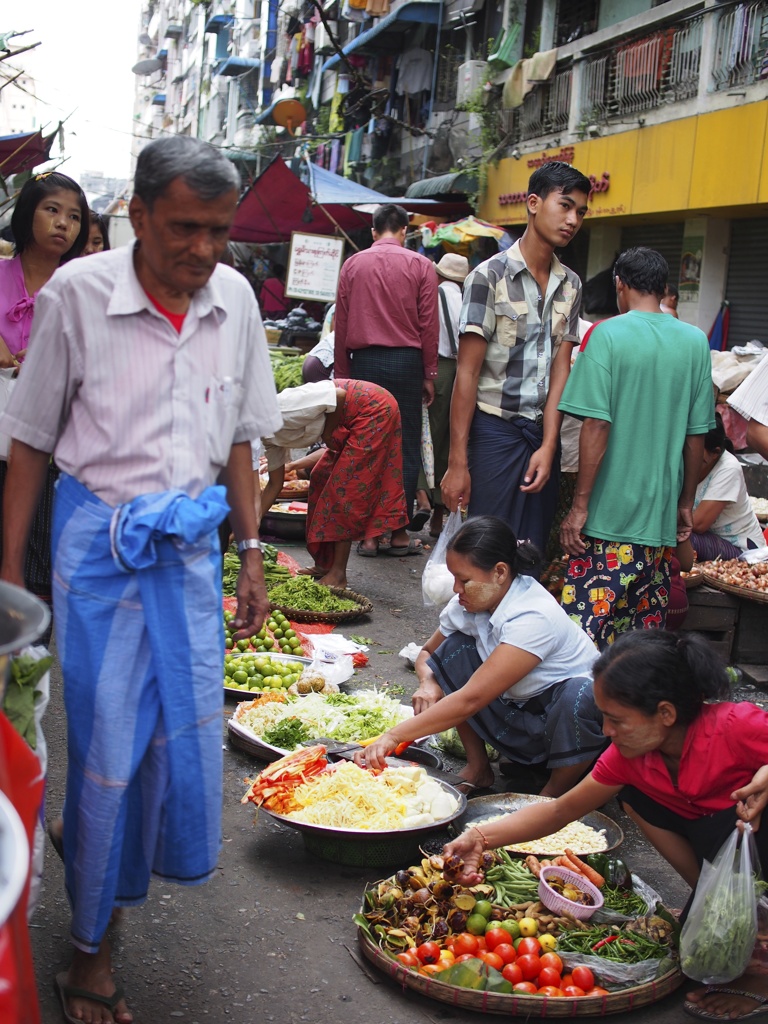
column 483, row 907
column 476, row 924
column 240, row 676
column 512, row 927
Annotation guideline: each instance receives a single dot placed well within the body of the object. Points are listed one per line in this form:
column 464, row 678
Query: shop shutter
column 745, row 288
column 664, row 238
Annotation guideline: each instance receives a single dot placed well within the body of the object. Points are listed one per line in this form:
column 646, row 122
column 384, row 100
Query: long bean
column 512, row 881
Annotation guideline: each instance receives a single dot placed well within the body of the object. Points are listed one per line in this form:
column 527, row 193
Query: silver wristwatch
column 251, row 542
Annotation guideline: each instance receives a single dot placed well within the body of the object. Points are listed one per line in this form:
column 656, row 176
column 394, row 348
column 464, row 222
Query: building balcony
column 680, row 67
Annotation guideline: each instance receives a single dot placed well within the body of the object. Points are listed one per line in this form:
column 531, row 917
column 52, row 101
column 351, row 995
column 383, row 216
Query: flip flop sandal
column 419, row 520
column 65, row 992
column 696, row 1011
column 366, row 552
column 413, row 547
column 469, row 789
column 316, row 574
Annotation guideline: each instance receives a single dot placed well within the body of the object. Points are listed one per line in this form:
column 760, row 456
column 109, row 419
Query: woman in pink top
column 50, row 225
column 684, row 769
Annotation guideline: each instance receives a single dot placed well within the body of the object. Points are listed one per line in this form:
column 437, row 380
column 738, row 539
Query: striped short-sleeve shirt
column 523, row 330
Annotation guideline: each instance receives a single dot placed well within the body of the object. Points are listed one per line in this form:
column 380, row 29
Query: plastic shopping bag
column 719, row 935
column 427, row 449
column 437, row 579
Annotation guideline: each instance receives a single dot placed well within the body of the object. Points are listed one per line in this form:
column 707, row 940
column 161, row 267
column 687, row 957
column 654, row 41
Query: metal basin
column 23, row 618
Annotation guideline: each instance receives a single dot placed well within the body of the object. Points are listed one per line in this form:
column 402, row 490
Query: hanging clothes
column 414, row 71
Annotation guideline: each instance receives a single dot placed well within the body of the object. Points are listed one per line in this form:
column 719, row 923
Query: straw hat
column 453, row 267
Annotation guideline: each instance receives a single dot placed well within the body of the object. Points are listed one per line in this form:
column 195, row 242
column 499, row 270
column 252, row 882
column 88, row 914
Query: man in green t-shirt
column 643, row 387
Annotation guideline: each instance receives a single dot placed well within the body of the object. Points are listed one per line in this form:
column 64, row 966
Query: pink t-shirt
column 17, row 306
column 724, row 747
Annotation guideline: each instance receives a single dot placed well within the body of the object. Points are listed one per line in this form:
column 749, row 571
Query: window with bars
column 576, row 18
column 447, row 74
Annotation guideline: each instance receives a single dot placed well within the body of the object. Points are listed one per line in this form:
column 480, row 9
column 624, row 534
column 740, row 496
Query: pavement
column 270, row 937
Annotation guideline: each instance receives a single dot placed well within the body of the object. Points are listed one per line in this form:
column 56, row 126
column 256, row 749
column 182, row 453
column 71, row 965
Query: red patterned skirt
column 356, row 489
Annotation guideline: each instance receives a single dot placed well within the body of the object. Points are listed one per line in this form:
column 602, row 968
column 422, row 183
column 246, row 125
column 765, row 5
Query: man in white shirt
column 147, row 376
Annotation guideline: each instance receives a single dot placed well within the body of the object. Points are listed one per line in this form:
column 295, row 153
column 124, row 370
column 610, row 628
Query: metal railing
column 645, row 73
column 546, row 108
column 741, row 46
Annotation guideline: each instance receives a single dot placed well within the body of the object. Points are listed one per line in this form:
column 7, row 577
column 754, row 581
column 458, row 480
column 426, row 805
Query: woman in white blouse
column 724, row 522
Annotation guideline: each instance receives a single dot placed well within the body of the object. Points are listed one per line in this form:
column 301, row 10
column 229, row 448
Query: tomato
column 496, row 937
column 583, row 977
column 465, row 943
column 465, row 956
column 525, row 986
column 597, row 991
column 512, row 973
column 507, row 952
column 567, row 979
column 530, row 965
column 529, row 945
column 428, row 969
column 447, row 957
column 573, row 990
column 493, row 960
column 552, row 960
column 549, row 990
column 449, row 943
column 549, row 977
column 408, row 958
column 481, row 943
column 428, row 952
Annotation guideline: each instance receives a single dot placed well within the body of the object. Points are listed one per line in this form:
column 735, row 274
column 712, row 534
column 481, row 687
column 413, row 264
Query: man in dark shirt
column 386, row 332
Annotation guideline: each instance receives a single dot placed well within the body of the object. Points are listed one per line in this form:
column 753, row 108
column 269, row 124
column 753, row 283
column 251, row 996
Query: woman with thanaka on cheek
column 506, row 666
column 50, row 227
column 686, row 770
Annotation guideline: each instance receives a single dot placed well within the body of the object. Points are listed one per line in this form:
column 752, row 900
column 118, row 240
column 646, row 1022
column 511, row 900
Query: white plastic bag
column 437, row 579
column 719, row 935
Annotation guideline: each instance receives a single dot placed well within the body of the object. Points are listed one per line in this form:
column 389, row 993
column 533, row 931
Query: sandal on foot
column 65, row 992
column 419, row 520
column 469, row 789
column 366, row 552
column 696, row 1011
column 413, row 547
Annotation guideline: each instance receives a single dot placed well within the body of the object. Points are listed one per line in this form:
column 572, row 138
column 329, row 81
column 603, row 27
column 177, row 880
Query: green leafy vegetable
column 20, row 696
column 287, row 734
column 304, row 594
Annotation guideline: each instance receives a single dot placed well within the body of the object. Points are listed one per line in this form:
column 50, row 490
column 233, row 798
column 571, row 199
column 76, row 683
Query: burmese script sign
column 313, row 267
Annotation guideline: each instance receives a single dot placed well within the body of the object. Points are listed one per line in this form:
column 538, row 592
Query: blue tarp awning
column 412, row 10
column 328, row 187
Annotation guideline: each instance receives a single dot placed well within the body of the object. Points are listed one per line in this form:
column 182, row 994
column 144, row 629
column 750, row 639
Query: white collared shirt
column 303, row 410
column 127, row 404
column 530, row 618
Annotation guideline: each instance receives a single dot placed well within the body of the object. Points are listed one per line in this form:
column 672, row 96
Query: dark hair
column 716, row 438
column 389, row 217
column 101, row 222
column 487, row 540
column 645, row 667
column 642, row 269
column 671, row 290
column 32, row 194
column 558, row 177
column 201, row 167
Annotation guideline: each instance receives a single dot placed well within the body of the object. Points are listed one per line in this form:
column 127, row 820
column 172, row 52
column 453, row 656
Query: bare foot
column 717, row 1000
column 334, row 579
column 311, row 570
column 479, row 777
column 92, row 972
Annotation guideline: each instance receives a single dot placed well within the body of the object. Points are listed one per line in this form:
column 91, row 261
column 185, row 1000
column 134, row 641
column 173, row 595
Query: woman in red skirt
column 356, row 487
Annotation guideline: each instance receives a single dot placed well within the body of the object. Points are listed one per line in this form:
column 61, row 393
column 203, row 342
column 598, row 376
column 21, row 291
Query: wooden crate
column 714, row 616
column 751, row 640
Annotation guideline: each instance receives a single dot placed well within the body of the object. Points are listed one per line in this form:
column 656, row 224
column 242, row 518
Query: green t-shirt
column 650, row 376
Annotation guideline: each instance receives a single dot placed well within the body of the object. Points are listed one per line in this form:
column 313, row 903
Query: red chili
column 605, row 941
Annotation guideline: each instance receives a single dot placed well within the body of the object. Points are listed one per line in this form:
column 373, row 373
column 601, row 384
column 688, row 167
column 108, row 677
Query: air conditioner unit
column 323, row 42
column 470, row 79
column 253, row 49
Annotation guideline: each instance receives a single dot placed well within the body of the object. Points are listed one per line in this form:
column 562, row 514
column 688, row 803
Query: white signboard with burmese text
column 313, row 267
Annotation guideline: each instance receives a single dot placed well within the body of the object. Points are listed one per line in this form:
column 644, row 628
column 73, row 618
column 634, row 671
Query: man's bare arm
column 593, row 442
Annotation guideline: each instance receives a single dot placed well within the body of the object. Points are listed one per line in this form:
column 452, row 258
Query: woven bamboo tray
column 730, row 588
column 694, row 580
column 364, row 607
column 514, row 1005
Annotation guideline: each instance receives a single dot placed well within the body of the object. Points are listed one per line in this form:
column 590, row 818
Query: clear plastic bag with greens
column 437, row 579
column 719, row 935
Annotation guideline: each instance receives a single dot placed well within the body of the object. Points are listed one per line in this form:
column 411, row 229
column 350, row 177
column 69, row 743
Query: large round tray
column 364, row 607
column 242, row 695
column 372, row 848
column 693, row 580
column 729, row 588
column 514, row 1005
column 504, row 803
